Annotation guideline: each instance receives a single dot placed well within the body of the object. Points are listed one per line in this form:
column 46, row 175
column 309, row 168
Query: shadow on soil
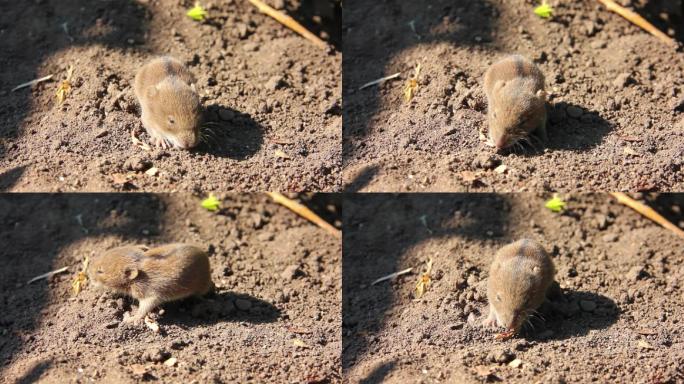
column 231, row 134
column 38, row 242
column 398, row 26
column 220, row 307
column 572, row 316
column 380, row 229
column 24, row 46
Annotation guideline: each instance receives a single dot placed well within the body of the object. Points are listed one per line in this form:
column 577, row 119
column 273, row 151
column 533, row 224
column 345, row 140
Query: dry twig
column 305, row 213
column 647, row 211
column 636, row 19
column 289, row 22
column 380, row 80
column 47, row 275
column 32, row 82
column 391, row 276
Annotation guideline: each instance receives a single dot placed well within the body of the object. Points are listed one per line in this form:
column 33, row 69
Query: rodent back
column 514, row 88
column 176, row 270
column 519, row 277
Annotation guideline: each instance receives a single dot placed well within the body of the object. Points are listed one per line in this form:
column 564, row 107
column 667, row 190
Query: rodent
column 519, row 278
column 171, row 110
column 516, row 101
column 153, row 275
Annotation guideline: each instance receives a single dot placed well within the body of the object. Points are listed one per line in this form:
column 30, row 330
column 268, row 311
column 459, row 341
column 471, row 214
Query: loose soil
column 275, row 97
column 620, row 273
column 616, row 114
column 278, row 280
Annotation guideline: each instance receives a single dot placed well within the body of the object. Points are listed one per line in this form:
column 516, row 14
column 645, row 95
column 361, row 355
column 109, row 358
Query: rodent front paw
column 128, row 319
column 489, row 322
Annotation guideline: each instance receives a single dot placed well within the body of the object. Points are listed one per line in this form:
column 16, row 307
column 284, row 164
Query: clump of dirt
column 619, row 272
column 274, row 98
column 615, row 108
column 275, row 316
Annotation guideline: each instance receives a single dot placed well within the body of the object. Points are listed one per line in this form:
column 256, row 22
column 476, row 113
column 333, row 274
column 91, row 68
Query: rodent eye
column 99, row 271
column 172, row 120
column 498, row 298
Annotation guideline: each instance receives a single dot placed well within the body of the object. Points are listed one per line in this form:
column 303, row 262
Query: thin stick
column 391, row 276
column 648, row 212
column 32, row 82
column 380, row 80
column 635, row 18
column 289, row 22
column 47, row 275
column 305, row 213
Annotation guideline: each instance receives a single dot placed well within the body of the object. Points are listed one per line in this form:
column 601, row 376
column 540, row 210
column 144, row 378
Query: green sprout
column 556, row 204
column 211, row 203
column 544, row 10
column 197, row 13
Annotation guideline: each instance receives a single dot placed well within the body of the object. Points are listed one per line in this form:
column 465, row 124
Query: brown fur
column 171, row 110
column 516, row 101
column 153, row 276
column 519, row 279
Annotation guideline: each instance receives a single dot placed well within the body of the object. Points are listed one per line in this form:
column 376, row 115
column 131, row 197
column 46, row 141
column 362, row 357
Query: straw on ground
column 648, row 212
column 289, row 22
column 304, row 212
column 636, row 19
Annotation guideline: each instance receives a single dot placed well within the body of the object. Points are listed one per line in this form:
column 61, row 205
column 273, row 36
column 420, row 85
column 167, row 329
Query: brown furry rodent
column 153, row 276
column 171, row 109
column 519, row 278
column 516, row 101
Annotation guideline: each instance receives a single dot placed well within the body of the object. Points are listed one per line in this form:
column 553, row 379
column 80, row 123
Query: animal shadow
column 569, row 127
column 574, row 314
column 220, row 307
column 230, row 133
column 573, row 127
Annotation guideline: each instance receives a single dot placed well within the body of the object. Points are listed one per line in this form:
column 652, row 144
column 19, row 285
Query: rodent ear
column 194, row 88
column 541, row 94
column 152, row 91
column 131, row 273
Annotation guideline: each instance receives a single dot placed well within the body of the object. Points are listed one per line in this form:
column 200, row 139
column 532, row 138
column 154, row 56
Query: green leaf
column 556, row 204
column 197, row 13
column 211, row 203
column 544, row 11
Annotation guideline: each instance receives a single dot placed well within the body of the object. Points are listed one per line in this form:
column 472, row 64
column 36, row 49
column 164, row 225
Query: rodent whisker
column 537, row 139
column 208, row 134
column 537, row 314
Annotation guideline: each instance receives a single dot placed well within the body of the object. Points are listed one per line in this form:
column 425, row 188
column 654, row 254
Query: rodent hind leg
column 145, row 306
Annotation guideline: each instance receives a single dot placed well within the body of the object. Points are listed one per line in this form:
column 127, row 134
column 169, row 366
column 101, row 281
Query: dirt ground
column 269, row 90
column 278, row 280
column 616, row 120
column 620, row 273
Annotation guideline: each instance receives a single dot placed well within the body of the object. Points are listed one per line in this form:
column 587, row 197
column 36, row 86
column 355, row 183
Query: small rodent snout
column 189, row 143
column 500, row 143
